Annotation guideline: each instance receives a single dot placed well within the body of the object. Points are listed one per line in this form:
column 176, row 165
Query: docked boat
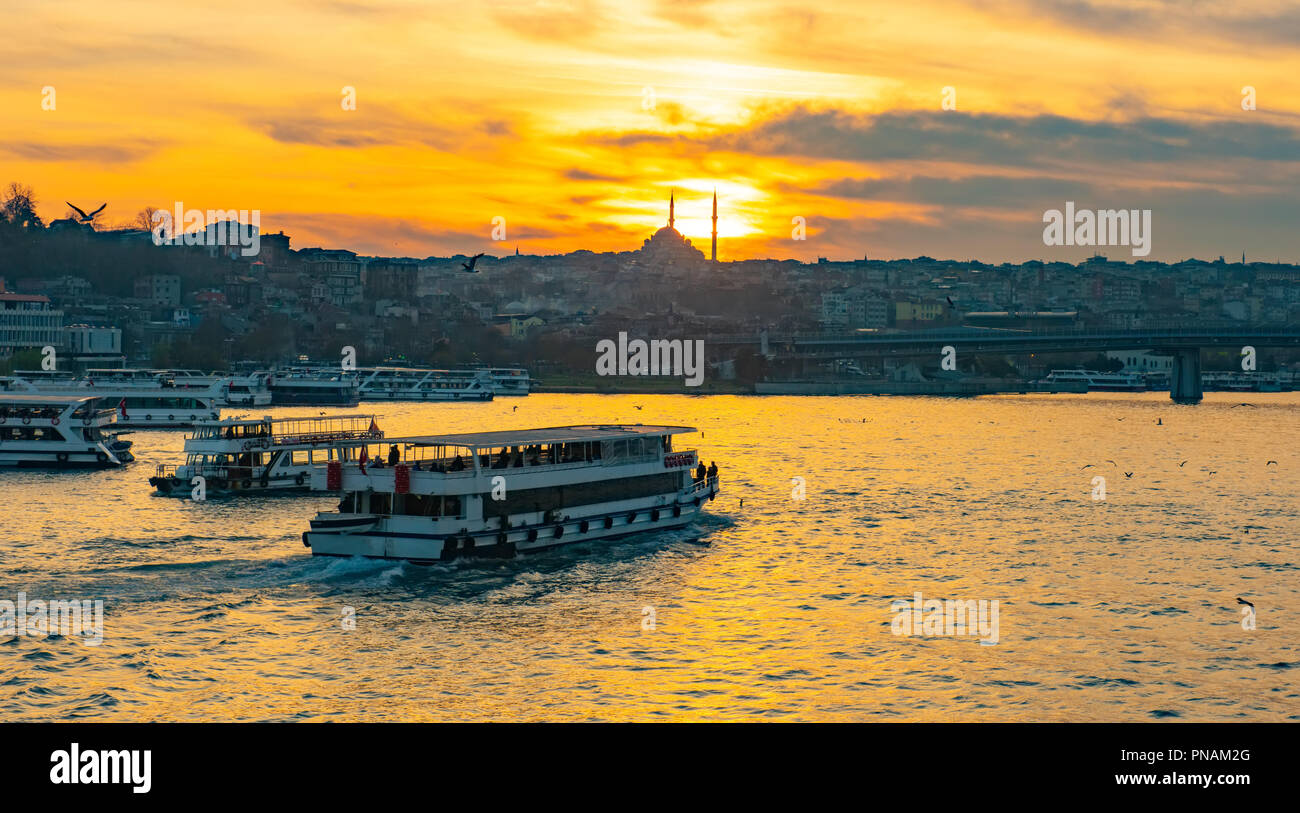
column 314, row 387
column 1094, row 380
column 51, row 431
column 240, row 390
column 414, row 384
column 144, row 399
column 258, row 456
column 510, row 380
column 499, row 494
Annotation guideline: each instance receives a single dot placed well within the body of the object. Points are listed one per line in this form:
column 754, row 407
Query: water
column 1123, row 609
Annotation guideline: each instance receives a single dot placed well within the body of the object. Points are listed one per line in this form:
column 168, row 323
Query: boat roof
column 273, row 420
column 48, row 400
column 552, row 434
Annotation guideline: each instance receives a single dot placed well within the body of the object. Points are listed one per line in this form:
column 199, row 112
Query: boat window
column 381, row 503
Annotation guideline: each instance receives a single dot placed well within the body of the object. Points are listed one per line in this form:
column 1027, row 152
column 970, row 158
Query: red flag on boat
column 121, row 407
column 374, row 427
column 362, row 460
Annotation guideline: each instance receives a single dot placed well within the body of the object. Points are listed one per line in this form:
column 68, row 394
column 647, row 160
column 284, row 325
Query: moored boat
column 503, row 493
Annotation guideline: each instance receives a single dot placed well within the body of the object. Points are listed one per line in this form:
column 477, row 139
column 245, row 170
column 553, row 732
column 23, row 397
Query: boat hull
column 381, row 543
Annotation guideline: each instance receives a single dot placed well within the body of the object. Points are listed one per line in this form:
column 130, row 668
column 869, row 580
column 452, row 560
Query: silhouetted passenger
column 458, row 464
column 700, row 472
column 393, row 455
column 713, row 470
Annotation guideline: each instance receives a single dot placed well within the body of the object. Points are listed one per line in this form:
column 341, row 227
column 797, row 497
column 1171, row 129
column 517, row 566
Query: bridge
column 1184, row 344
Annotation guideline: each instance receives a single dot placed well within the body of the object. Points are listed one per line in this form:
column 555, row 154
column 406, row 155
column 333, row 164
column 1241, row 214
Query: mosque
column 668, row 249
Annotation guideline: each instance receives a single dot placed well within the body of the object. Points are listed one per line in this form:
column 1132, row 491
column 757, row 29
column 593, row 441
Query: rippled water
column 1123, row 609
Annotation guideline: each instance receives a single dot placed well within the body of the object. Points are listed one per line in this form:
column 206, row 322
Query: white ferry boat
column 144, row 399
column 1108, row 382
column 239, row 456
column 413, row 384
column 510, row 380
column 236, row 390
column 50, row 431
column 314, row 387
column 499, row 494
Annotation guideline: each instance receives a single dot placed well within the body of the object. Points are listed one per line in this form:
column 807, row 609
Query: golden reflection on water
column 1122, row 609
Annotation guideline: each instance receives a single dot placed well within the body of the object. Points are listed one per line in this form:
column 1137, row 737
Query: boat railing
column 702, row 487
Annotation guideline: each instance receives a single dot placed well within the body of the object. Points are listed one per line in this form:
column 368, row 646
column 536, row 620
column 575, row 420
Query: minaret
column 670, row 210
column 715, row 226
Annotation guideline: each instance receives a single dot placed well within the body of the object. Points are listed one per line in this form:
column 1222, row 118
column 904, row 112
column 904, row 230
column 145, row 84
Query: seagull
column 1241, row 600
column 1213, row 473
column 1112, row 462
column 1271, row 463
column 514, row 408
column 1184, row 463
column 1128, row 474
column 1119, row 419
column 86, row 218
column 1086, row 467
column 1242, row 404
column 638, row 407
column 469, row 266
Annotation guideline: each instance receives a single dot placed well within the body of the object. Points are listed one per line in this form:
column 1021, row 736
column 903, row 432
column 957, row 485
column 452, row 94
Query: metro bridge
column 1184, row 344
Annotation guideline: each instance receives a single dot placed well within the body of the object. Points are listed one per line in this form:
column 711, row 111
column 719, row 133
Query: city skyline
column 539, row 113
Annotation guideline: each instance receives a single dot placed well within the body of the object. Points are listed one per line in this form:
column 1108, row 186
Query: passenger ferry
column 240, row 456
column 498, row 494
column 236, row 390
column 314, row 387
column 510, row 380
column 50, row 431
column 1106, row 382
column 145, row 399
column 413, row 384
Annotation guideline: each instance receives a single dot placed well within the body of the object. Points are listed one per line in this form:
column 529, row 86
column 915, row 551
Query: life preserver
column 301, row 478
column 62, row 457
column 697, row 502
column 559, row 531
column 654, row 515
column 101, row 457
column 84, row 421
column 584, row 526
column 631, row 518
column 148, row 417
column 677, row 510
column 4, row 419
column 171, row 417
column 532, row 534
column 245, row 483
column 501, row 538
column 609, row 522
column 27, row 419
column 194, row 417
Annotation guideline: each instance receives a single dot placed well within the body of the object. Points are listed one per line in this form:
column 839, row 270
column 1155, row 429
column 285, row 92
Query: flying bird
column 1271, row 463
column 1242, row 404
column 1213, row 473
column 1112, row 462
column 1241, row 600
column 1184, row 463
column 1086, row 467
column 1128, row 474
column 86, row 218
column 514, row 409
column 638, row 407
column 473, row 261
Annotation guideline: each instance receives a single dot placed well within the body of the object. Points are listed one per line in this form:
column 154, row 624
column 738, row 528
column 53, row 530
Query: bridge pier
column 1185, row 382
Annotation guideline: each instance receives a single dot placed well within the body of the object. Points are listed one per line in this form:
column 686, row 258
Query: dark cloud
column 124, row 153
column 575, row 174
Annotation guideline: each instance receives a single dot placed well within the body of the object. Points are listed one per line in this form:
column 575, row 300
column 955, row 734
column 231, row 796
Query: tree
column 18, row 207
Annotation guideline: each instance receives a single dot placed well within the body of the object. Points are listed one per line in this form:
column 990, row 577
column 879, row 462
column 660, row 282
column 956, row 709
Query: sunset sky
column 573, row 119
